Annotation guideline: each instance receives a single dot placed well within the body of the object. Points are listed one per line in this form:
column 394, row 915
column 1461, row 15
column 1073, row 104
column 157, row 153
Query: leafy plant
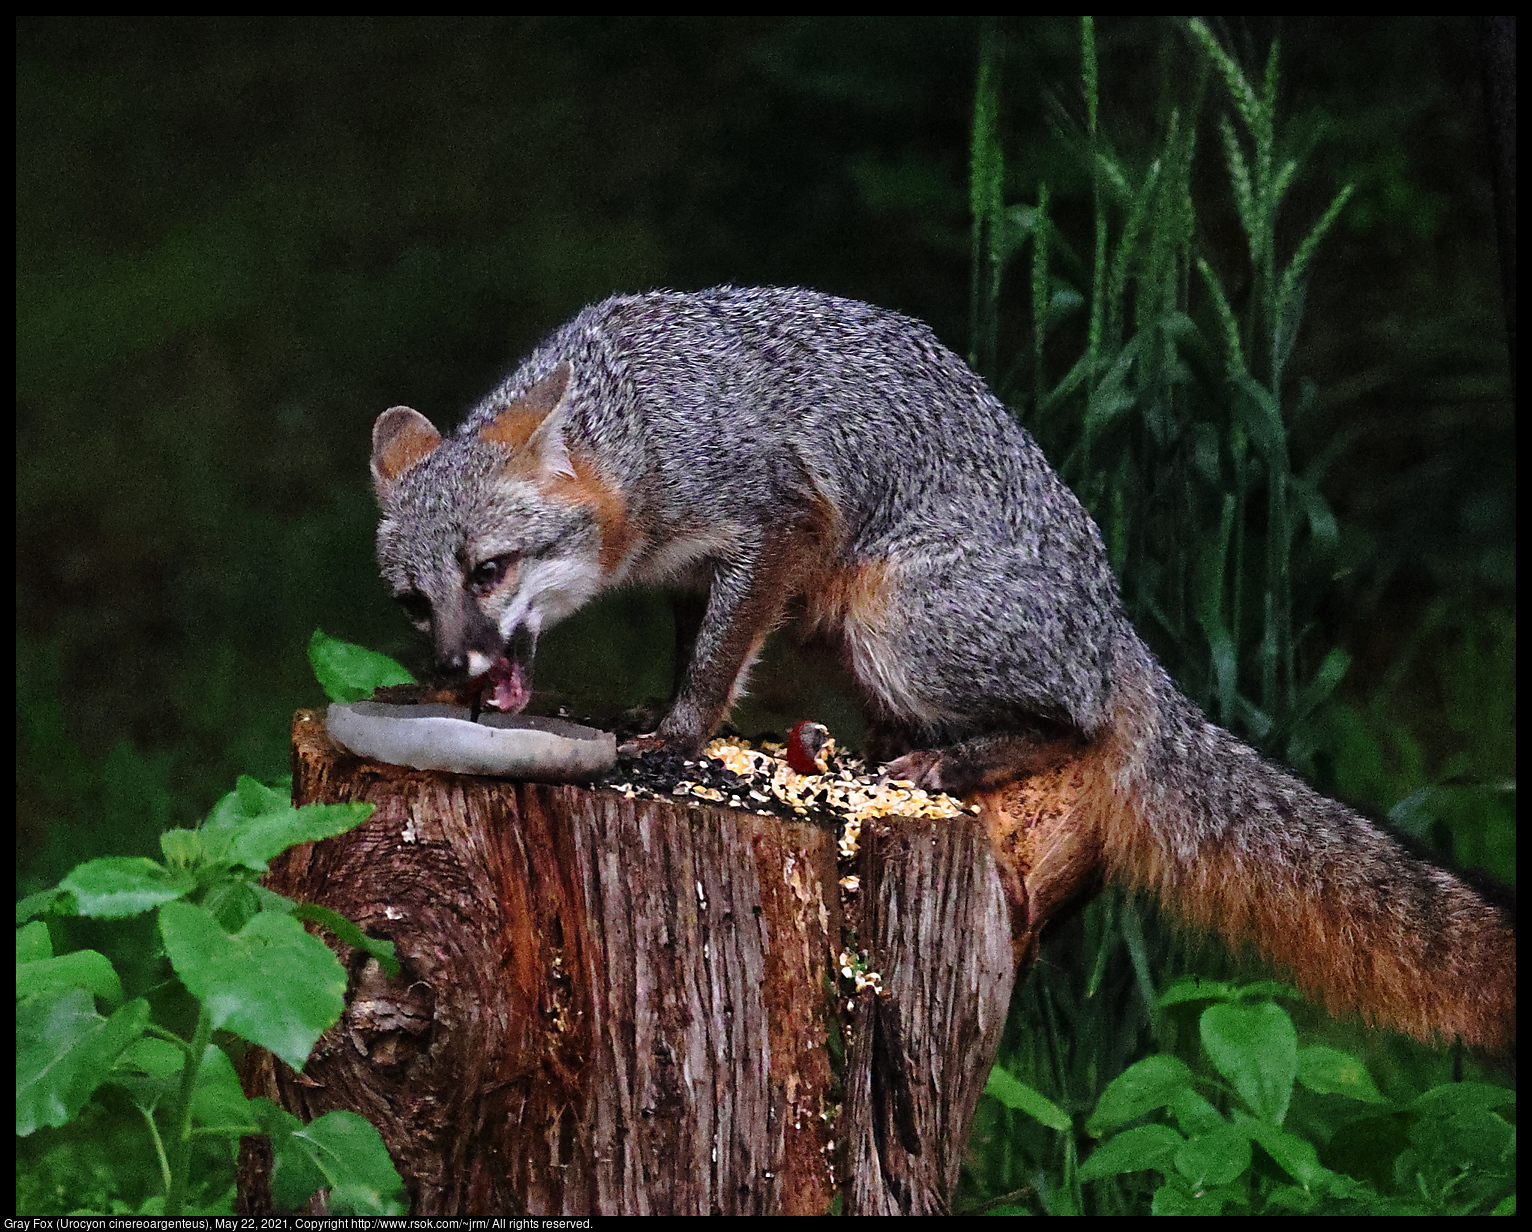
column 240, row 951
column 1174, row 415
column 1447, row 1151
column 1157, row 373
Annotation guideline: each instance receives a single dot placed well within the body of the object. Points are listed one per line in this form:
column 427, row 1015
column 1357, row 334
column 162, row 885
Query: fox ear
column 530, row 429
column 400, row 439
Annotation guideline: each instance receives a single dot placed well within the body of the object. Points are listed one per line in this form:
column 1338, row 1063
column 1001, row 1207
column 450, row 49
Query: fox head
column 490, row 536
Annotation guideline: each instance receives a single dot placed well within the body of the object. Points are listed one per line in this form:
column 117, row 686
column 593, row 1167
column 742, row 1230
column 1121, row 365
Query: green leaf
column 1110, row 398
column 1256, row 1048
column 1234, row 356
column 1016, row 1094
column 339, row 1150
column 115, row 887
column 85, row 969
column 348, row 933
column 1195, row 988
column 1456, row 1097
column 1133, row 1150
column 1299, row 1159
column 1215, row 1158
column 1261, row 417
column 1176, row 1197
column 350, row 1153
column 149, row 1070
column 252, row 797
column 271, row 982
column 1288, row 297
column 1318, row 690
column 259, row 839
column 294, row 1175
column 1329, row 1071
column 232, row 903
column 45, row 902
column 248, row 800
column 349, row 673
column 64, row 1051
column 33, row 943
column 1142, row 1087
column 1367, row 1148
column 157, row 1057
column 1193, row 1114
column 218, row 1103
column 181, row 848
column 1322, row 524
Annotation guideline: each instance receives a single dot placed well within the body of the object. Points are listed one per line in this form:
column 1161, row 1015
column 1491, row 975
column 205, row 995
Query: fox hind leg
column 990, row 760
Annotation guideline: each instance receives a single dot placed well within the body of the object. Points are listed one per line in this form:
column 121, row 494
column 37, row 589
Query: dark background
column 239, row 240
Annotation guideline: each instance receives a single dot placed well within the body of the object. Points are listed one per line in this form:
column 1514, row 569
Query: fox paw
column 653, row 742
column 924, row 769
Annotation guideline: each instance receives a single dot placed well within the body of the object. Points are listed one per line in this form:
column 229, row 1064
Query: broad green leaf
column 64, row 1051
column 1214, row 1158
column 153, row 1056
column 232, row 902
column 1329, row 1071
column 1177, row 1197
column 1299, row 1159
column 1195, row 988
column 271, row 982
column 1142, row 1087
column 349, row 673
column 1478, row 1139
column 1016, row 1094
column 264, row 837
column 249, row 799
column 149, row 1070
column 115, row 887
column 45, row 902
column 1255, row 1047
column 1455, row 1097
column 1367, row 1147
column 350, row 1152
column 1133, row 1150
column 294, row 1175
column 1193, row 1113
column 33, row 943
column 218, row 1103
column 85, row 969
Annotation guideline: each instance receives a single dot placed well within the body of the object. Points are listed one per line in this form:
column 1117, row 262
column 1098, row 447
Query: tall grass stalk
column 1165, row 404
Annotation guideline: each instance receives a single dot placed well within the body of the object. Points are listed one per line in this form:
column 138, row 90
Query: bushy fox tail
column 1234, row 844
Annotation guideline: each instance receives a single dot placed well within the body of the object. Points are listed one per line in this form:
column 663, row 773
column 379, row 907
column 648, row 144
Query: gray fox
column 807, row 455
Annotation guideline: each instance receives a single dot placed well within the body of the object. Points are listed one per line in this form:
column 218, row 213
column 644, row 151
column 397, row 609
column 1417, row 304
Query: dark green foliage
column 1174, row 416
column 254, row 975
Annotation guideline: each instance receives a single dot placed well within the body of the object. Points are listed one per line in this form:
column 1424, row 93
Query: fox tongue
column 510, row 686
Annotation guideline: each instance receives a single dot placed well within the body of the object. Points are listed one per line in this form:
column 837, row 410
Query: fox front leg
column 744, row 604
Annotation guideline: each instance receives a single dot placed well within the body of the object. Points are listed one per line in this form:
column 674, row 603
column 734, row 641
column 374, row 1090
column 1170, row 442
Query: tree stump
column 615, row 1006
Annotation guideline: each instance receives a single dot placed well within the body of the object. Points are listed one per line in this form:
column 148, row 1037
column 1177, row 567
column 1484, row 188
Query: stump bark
column 634, row 1006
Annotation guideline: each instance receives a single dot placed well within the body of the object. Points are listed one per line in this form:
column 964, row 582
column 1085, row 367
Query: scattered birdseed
column 733, row 770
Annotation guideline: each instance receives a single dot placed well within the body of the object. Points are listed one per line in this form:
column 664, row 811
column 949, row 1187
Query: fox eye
column 488, row 574
column 416, row 606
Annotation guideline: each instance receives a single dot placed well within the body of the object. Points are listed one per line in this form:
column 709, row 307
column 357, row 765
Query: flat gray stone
column 442, row 737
